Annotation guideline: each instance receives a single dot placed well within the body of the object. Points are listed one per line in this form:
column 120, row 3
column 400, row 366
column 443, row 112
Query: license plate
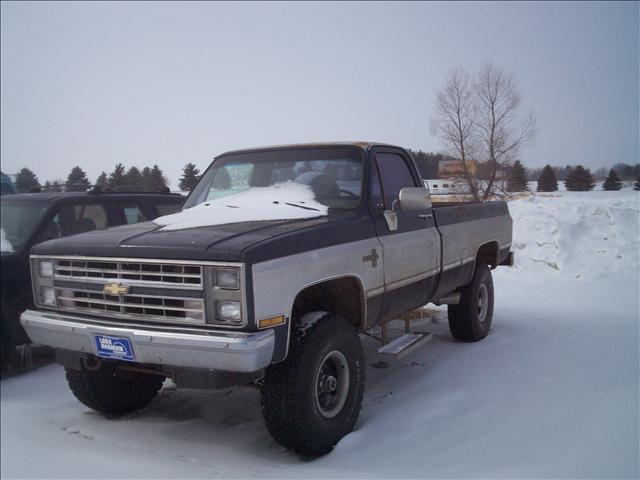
column 114, row 347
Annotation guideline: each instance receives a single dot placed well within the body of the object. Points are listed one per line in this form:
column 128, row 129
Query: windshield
column 334, row 175
column 18, row 222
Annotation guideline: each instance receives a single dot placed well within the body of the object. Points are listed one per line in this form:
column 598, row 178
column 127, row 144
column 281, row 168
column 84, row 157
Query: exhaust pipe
column 451, row 299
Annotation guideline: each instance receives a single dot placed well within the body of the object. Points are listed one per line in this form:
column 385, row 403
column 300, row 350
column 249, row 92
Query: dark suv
column 31, row 218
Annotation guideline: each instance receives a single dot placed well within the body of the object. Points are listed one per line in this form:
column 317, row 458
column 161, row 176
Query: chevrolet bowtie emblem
column 115, row 289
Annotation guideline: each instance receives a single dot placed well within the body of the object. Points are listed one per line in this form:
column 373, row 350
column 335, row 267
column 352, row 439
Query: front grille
column 156, row 273
column 153, row 308
column 155, row 291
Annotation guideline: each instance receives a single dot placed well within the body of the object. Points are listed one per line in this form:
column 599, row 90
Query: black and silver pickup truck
column 279, row 259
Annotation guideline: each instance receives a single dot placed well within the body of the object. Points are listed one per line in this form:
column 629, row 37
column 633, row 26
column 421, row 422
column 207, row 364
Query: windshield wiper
column 300, row 206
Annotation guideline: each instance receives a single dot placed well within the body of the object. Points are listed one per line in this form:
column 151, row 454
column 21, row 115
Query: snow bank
column 283, row 201
column 583, row 234
column 5, row 245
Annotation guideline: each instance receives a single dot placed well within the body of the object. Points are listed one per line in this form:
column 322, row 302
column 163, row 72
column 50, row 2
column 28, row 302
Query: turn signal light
column 271, row 322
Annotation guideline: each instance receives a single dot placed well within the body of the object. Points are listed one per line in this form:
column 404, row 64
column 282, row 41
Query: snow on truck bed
column 551, row 392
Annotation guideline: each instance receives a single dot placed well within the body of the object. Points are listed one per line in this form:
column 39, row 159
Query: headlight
column 228, row 312
column 227, row 278
column 48, row 296
column 224, row 296
column 46, row 269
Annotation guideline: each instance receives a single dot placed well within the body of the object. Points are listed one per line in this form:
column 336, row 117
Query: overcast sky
column 169, row 83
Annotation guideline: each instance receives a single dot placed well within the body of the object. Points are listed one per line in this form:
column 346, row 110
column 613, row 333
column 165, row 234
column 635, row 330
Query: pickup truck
column 279, row 259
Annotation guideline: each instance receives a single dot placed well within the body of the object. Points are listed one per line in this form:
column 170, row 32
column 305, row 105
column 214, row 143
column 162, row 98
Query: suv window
column 74, row 219
column 395, row 175
column 131, row 213
column 167, row 208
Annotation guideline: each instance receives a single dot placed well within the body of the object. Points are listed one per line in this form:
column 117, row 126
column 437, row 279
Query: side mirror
column 415, row 198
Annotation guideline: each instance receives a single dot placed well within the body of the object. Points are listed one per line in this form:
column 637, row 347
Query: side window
column 74, row 219
column 167, row 208
column 131, row 213
column 395, row 175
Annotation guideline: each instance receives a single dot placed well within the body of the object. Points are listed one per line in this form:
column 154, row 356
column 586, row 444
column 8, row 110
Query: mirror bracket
column 392, row 220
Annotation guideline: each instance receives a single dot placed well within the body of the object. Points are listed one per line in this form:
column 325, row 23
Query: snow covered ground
column 551, row 392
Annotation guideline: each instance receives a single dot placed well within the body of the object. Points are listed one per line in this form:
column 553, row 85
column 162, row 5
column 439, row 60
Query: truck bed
column 462, row 224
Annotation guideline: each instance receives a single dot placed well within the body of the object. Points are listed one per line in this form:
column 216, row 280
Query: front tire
column 470, row 320
column 313, row 398
column 113, row 392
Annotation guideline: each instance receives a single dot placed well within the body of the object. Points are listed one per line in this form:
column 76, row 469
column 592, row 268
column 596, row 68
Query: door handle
column 426, row 216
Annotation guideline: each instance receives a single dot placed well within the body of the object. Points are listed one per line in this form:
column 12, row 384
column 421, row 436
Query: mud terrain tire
column 313, row 398
column 470, row 320
column 113, row 392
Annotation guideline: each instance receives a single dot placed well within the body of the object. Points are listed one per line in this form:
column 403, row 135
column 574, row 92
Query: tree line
column 121, row 179
column 152, row 179
column 576, row 177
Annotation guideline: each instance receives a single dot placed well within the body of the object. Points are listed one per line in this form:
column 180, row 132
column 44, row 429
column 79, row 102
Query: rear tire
column 113, row 392
column 313, row 398
column 470, row 320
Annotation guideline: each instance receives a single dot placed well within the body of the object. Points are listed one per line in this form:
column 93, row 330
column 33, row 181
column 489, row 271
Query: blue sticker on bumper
column 114, row 347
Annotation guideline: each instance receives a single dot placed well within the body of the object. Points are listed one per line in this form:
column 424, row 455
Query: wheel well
column 342, row 296
column 488, row 253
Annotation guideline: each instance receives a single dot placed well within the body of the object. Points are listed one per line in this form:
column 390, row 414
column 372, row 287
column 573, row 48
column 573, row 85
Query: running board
column 405, row 344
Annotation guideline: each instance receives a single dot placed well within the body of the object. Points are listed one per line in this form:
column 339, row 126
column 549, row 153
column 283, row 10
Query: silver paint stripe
column 409, row 280
column 458, row 264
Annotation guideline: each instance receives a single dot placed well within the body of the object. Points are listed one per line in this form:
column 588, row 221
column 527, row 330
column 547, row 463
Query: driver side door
column 410, row 241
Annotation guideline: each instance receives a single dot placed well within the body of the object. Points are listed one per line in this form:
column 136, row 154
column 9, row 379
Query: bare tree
column 455, row 122
column 479, row 124
column 499, row 133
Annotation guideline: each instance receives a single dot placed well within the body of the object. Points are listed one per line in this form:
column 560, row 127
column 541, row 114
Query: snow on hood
column 283, row 201
column 5, row 246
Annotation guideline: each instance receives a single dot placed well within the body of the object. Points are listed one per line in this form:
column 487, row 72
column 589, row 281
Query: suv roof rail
column 163, row 191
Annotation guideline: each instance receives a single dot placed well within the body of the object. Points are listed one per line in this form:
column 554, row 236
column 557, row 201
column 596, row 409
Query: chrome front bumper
column 218, row 350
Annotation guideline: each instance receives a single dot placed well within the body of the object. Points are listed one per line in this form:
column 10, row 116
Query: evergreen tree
column 517, row 181
column 134, row 180
column 579, row 179
column 189, row 177
column 636, row 186
column 56, row 186
column 102, row 181
column 117, row 179
column 77, row 180
column 612, row 182
column 146, row 179
column 47, row 186
column 26, row 180
column 157, row 182
column 547, row 182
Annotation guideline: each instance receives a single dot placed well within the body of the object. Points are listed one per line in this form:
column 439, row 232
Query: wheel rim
column 332, row 384
column 483, row 302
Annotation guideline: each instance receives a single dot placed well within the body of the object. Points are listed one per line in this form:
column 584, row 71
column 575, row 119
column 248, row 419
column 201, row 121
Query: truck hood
column 227, row 242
